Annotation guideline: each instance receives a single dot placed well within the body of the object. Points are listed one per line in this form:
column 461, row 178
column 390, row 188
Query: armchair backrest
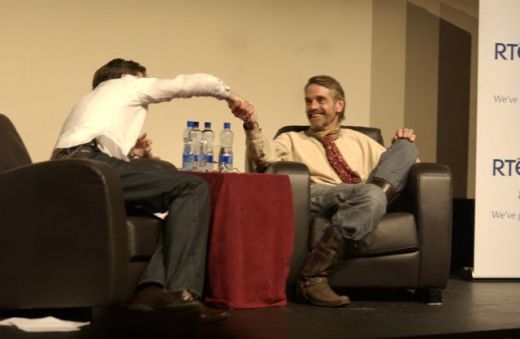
column 374, row 133
column 12, row 150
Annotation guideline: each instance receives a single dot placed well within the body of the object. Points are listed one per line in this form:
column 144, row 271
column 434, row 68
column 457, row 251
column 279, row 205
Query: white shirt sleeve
column 153, row 90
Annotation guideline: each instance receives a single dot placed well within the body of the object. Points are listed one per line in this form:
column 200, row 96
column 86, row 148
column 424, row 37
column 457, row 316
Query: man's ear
column 339, row 105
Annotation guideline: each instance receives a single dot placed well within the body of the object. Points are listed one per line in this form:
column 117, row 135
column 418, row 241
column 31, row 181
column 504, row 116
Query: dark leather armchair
column 411, row 246
column 66, row 239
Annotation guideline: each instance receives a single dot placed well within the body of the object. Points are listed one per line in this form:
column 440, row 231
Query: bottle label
column 187, row 162
column 226, row 159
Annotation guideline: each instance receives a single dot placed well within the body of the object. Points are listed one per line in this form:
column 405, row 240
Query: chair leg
column 431, row 296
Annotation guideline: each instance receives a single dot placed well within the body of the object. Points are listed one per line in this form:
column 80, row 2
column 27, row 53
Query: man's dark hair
column 115, row 69
column 333, row 85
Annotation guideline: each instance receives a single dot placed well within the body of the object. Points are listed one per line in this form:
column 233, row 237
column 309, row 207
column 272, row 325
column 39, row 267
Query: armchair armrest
column 64, row 241
column 428, row 195
column 300, row 183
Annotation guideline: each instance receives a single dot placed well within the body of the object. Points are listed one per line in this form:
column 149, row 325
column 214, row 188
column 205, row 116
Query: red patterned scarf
column 334, row 156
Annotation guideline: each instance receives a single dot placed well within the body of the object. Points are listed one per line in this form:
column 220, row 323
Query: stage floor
column 469, row 309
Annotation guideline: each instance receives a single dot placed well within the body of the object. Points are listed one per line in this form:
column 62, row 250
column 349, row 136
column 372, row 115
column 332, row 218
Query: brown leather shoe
column 211, row 314
column 157, row 298
column 207, row 313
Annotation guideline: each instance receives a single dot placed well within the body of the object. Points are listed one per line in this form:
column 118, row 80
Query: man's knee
column 373, row 197
column 178, row 183
column 407, row 150
column 195, row 183
column 365, row 194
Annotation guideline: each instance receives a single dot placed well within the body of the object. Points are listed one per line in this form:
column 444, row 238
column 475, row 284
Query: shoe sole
column 207, row 320
column 167, row 308
column 303, row 300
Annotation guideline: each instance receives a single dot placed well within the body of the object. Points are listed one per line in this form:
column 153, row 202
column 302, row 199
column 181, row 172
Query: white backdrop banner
column 497, row 195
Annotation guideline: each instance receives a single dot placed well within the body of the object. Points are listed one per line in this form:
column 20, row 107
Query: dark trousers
column 180, row 257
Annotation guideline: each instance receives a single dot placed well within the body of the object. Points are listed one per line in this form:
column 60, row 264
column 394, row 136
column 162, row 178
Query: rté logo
column 507, row 51
column 506, row 167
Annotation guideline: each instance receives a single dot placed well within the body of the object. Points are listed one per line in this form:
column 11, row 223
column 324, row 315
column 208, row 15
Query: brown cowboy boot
column 313, row 284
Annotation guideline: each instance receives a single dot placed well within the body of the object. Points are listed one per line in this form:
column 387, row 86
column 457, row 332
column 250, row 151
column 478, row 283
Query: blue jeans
column 354, row 210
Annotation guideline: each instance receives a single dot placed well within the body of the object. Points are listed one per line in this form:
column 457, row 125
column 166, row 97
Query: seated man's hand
column 142, row 148
column 404, row 133
column 242, row 109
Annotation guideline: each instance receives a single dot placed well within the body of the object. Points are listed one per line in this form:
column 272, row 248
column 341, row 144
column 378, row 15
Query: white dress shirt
column 114, row 112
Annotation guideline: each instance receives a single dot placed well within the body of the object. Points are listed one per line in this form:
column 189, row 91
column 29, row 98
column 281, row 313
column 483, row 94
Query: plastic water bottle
column 187, row 153
column 225, row 157
column 208, row 136
column 195, row 136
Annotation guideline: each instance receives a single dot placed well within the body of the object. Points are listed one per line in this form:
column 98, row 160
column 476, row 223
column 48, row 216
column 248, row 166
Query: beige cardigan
column 361, row 152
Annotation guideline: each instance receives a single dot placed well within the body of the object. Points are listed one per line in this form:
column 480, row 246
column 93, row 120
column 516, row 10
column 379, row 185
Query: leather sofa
column 411, row 246
column 67, row 241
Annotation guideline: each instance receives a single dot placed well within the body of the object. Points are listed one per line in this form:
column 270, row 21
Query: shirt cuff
column 254, row 127
column 224, row 91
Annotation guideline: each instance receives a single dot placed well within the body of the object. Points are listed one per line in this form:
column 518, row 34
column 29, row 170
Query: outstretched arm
column 153, row 90
column 260, row 149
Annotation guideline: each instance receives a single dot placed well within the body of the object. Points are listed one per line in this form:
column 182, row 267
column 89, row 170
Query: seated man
column 353, row 178
column 105, row 125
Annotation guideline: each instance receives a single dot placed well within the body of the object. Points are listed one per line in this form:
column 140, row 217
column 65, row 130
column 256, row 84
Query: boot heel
column 299, row 296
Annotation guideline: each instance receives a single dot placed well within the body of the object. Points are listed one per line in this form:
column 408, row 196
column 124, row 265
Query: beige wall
column 388, row 66
column 463, row 15
column 264, row 49
column 409, row 39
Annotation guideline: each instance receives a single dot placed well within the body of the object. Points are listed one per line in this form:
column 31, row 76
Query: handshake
column 242, row 109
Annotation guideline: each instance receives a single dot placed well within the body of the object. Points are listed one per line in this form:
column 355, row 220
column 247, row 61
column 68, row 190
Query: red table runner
column 251, row 239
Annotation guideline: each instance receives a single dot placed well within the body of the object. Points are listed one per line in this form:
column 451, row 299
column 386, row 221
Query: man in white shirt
column 105, row 125
column 353, row 178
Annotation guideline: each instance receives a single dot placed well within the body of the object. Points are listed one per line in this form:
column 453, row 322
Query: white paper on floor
column 46, row 324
